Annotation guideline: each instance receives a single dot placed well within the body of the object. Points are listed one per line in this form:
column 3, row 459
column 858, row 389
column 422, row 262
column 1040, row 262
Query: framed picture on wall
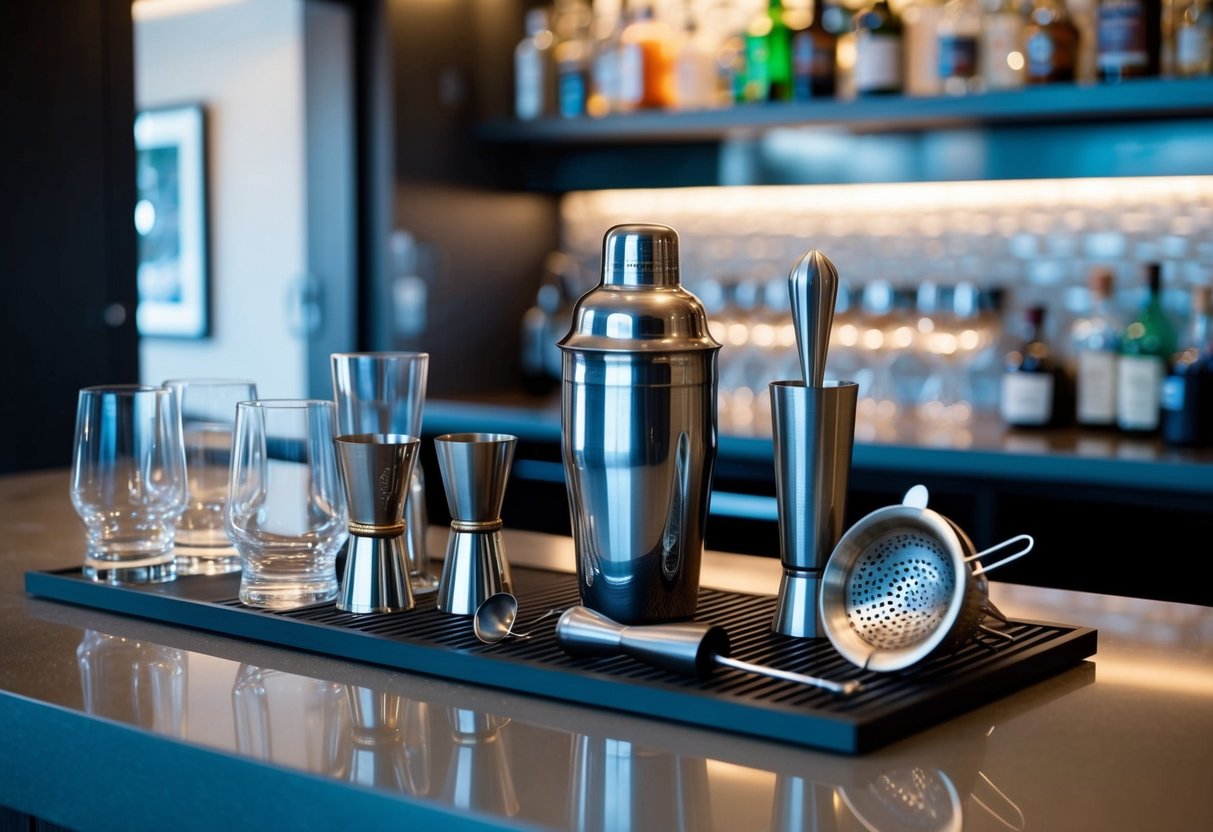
column 171, row 222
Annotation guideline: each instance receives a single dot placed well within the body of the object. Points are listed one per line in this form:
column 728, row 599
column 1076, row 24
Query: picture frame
column 171, row 222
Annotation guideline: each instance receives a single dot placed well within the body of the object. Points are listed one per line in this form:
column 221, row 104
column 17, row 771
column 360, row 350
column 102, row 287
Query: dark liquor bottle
column 1051, row 42
column 879, row 51
column 1187, row 390
column 814, row 58
column 1128, row 38
column 1035, row 387
column 1145, row 347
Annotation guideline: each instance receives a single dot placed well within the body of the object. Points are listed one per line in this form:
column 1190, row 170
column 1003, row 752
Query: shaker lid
column 639, row 304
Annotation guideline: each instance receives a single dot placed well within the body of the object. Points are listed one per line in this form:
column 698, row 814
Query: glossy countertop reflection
column 240, row 734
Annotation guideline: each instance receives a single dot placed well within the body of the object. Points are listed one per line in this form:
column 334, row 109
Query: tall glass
column 286, row 505
column 208, row 418
column 384, row 392
column 128, row 481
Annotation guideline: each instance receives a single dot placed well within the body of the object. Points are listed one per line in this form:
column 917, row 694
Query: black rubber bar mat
column 424, row 640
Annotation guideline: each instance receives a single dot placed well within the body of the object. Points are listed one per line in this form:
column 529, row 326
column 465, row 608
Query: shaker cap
column 639, row 305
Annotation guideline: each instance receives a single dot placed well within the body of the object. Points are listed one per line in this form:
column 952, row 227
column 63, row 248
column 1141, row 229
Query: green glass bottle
column 1145, row 349
column 768, row 56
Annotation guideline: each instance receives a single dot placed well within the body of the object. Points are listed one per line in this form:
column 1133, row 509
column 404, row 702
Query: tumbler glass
column 128, row 481
column 208, row 417
column 286, row 506
column 384, row 392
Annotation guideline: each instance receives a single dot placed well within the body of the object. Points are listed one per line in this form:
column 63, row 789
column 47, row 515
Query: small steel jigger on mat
column 475, row 470
column 377, row 468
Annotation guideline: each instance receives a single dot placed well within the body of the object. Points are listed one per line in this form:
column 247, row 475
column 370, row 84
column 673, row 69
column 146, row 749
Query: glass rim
column 380, row 354
column 233, row 381
column 124, row 389
column 287, row 403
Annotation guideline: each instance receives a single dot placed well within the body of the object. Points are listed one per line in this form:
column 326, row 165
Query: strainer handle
column 983, row 568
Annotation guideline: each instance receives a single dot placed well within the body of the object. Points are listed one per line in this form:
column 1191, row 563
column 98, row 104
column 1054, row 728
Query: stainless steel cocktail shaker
column 638, row 430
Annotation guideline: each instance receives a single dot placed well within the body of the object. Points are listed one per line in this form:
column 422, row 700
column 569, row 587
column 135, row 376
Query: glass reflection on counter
column 390, row 741
column 290, row 719
column 132, row 681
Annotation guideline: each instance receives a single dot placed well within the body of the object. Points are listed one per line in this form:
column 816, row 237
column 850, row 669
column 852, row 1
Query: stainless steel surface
column 900, row 586
column 495, row 618
column 638, row 430
column 475, row 471
column 377, row 469
column 814, row 433
column 384, row 392
column 813, row 292
column 693, row 648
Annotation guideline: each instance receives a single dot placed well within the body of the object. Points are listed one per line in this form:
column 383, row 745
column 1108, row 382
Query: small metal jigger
column 813, row 423
column 475, row 469
column 377, row 468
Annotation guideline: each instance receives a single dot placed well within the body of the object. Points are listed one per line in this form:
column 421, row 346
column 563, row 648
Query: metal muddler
column 813, row 422
column 691, row 647
column 377, row 468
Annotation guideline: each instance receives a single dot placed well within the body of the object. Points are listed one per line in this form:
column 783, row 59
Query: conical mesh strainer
column 900, row 586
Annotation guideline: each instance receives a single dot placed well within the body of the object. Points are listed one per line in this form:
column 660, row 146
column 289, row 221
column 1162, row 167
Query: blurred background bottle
column 879, row 50
column 1192, row 38
column 768, row 55
column 645, row 65
column 1094, row 340
column 571, row 56
column 1145, row 347
column 1128, row 39
column 534, row 68
column 814, row 58
column 1051, row 42
column 1034, row 381
column 1001, row 53
column 958, row 35
column 1187, row 391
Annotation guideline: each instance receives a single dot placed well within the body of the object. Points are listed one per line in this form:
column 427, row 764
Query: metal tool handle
column 691, row 647
column 813, row 292
column 983, row 568
column 685, row 647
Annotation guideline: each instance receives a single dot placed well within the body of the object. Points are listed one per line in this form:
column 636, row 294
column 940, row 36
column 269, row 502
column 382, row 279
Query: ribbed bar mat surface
column 423, row 640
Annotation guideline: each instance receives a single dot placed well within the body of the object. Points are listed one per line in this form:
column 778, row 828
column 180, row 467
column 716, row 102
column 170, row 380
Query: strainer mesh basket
column 900, row 590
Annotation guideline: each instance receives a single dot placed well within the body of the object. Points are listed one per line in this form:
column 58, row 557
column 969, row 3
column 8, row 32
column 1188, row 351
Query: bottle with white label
column 1094, row 341
column 879, row 51
column 1034, row 384
column 1002, row 49
column 1145, row 347
column 534, row 69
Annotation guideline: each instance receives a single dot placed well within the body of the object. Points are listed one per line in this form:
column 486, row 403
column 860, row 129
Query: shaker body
column 639, row 448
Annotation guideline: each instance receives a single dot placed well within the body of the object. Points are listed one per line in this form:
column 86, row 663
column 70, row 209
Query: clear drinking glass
column 286, row 508
column 128, row 481
column 208, row 419
column 384, row 392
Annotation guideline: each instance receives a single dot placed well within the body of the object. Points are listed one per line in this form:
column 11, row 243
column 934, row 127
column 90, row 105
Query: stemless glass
column 286, row 508
column 128, row 481
column 208, row 418
column 384, row 393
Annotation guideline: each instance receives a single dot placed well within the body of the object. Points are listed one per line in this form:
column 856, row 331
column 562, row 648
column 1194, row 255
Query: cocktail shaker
column 638, row 430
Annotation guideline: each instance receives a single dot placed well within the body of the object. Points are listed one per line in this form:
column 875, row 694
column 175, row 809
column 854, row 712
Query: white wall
column 244, row 62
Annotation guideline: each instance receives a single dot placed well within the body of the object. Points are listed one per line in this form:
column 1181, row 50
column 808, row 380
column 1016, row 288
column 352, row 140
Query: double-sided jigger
column 813, row 423
column 377, row 468
column 475, row 468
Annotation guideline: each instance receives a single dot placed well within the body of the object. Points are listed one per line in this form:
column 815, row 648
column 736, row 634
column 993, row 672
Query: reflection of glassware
column 478, row 775
column 619, row 785
column 208, row 417
column 384, row 392
column 128, row 481
column 135, row 682
column 290, row 719
column 390, row 747
column 286, row 511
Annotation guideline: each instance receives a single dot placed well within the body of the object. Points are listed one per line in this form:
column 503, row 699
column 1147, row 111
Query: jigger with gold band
column 475, row 468
column 377, row 468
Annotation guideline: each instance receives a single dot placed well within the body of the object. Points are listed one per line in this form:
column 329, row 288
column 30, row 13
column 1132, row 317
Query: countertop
column 113, row 722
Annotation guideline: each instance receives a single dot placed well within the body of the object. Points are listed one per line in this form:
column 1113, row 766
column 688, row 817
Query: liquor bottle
column 958, row 34
column 572, row 55
column 1002, row 45
column 1192, row 38
column 534, row 69
column 879, row 50
column 1094, row 341
column 1051, row 41
column 768, row 56
column 645, row 59
column 1128, row 38
column 1145, row 346
column 1034, row 382
column 1187, row 390
column 605, row 93
column 814, row 58
column 695, row 79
